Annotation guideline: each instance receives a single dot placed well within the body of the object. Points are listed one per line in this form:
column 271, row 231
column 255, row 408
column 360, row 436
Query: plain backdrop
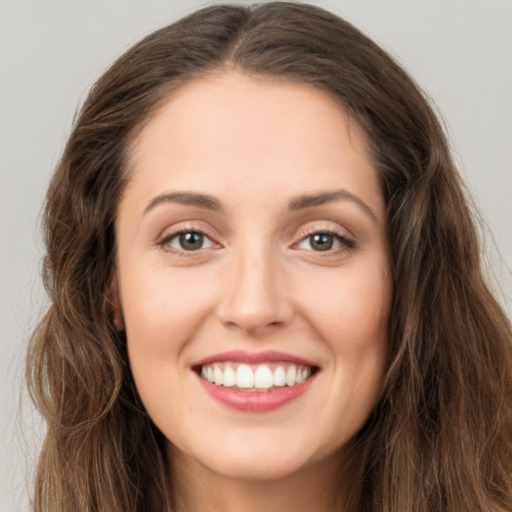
column 460, row 52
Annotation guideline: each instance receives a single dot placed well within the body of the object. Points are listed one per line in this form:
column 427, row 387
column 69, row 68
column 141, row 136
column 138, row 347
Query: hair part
column 440, row 436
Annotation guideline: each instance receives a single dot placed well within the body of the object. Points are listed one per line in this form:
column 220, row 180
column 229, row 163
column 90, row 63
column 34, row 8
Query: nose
column 255, row 298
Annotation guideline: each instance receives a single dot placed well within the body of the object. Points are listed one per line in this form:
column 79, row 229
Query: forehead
column 236, row 130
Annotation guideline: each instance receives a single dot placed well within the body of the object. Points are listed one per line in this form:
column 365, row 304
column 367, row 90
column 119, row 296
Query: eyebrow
column 308, row 201
column 186, row 198
column 298, row 203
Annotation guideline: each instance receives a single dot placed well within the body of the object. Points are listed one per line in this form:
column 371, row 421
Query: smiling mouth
column 255, row 377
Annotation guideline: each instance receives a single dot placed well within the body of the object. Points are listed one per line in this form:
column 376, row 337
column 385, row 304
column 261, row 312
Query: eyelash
column 165, row 242
column 345, row 243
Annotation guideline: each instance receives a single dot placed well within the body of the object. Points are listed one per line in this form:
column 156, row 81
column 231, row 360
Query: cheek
column 162, row 309
column 351, row 309
column 162, row 313
column 351, row 316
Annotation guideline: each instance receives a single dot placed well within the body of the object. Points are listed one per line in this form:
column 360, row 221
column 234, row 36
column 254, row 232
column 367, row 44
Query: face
column 252, row 275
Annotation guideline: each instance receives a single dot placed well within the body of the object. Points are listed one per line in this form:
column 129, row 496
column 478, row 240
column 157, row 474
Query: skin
column 254, row 145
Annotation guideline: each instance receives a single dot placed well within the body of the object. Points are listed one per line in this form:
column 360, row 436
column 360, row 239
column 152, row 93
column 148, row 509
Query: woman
column 265, row 283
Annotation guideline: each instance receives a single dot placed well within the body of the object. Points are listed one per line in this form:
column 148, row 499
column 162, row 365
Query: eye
column 187, row 241
column 324, row 241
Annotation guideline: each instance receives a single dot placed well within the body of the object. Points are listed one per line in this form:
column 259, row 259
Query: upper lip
column 242, row 356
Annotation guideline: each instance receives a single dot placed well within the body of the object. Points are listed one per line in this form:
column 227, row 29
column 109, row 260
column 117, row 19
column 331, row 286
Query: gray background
column 51, row 52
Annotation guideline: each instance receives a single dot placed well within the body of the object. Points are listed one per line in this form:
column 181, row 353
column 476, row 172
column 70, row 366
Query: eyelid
column 347, row 242
column 185, row 227
column 175, row 236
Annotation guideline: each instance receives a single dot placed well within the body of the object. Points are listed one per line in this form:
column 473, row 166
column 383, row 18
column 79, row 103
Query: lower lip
column 256, row 401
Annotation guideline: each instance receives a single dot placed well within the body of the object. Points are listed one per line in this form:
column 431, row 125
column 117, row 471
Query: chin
column 257, row 467
column 244, row 459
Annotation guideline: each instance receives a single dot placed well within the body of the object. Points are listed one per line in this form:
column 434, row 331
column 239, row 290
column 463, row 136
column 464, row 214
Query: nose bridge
column 254, row 298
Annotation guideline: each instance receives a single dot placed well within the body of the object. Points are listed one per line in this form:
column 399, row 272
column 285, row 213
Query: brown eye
column 321, row 241
column 187, row 241
column 324, row 241
column 191, row 241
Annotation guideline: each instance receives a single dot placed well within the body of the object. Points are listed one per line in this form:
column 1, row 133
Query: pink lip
column 256, row 401
column 253, row 358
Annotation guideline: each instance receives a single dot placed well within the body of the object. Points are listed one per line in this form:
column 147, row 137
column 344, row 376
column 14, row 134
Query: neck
column 198, row 489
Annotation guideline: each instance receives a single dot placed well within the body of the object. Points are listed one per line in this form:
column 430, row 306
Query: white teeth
column 263, row 377
column 279, row 376
column 255, row 377
column 291, row 373
column 302, row 375
column 229, row 378
column 244, row 377
column 217, row 374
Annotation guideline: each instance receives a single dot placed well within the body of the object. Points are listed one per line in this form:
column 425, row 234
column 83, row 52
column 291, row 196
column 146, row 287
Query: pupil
column 191, row 241
column 321, row 242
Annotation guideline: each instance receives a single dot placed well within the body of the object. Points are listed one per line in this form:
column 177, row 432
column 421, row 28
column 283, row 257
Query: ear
column 116, row 305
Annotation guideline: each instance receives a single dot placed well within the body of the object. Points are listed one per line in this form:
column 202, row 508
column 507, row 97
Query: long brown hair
column 440, row 436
